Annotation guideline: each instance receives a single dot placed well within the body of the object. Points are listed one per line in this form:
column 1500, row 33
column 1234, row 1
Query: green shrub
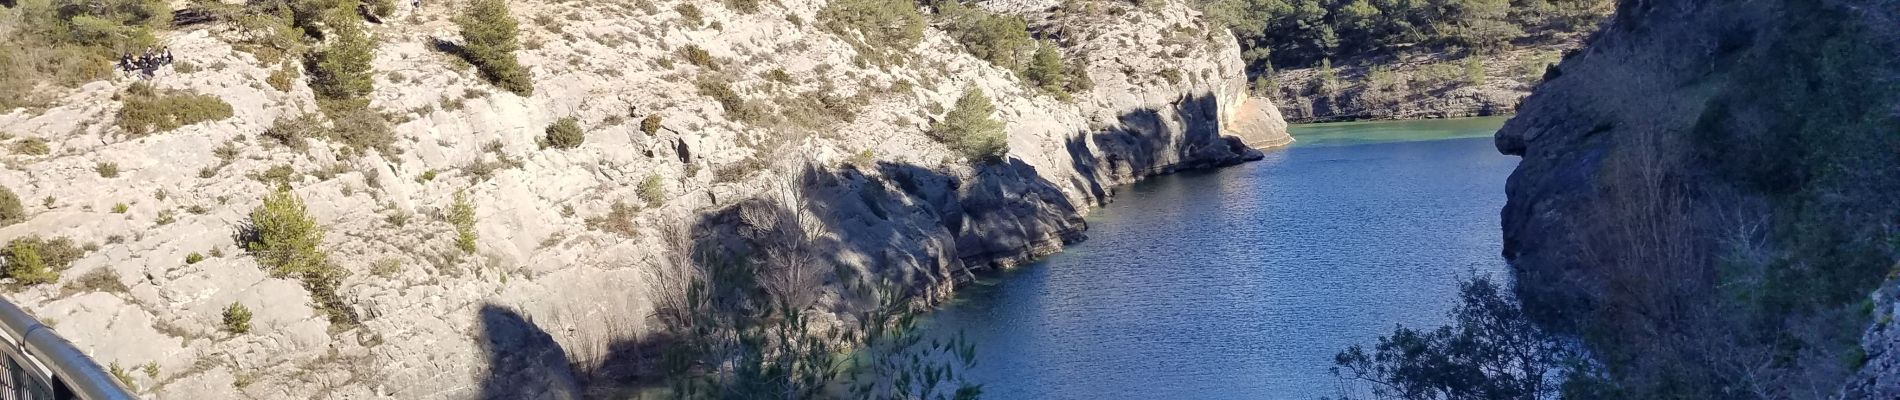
column 490, row 33
column 362, row 129
column 107, row 169
column 32, row 260
column 281, row 77
column 386, row 267
column 120, row 208
column 652, row 190
column 194, row 258
column 969, row 130
column 650, row 125
column 147, row 111
column 284, row 237
column 1045, row 69
column 124, row 377
column 698, row 56
column 11, row 210
column 564, row 134
column 690, row 15
column 295, row 130
column 237, row 318
column 103, row 280
column 342, row 70
column 1474, row 71
column 743, row 6
column 462, row 215
column 619, row 219
column 66, row 43
column 31, row 146
column 382, row 8
column 878, row 29
column 729, row 100
column 997, row 38
column 279, row 175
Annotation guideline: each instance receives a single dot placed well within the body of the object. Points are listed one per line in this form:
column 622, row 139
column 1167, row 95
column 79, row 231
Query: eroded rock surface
column 546, row 288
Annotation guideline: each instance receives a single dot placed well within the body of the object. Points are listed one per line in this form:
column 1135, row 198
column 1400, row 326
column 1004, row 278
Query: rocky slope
column 1416, row 86
column 1706, row 196
column 559, row 277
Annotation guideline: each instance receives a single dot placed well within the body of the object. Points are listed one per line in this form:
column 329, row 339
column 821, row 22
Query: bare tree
column 785, row 235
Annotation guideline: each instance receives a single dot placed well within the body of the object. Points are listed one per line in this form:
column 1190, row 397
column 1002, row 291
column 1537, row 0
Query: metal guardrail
column 40, row 365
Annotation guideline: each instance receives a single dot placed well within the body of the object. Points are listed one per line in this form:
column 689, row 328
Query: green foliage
column 650, row 125
column 382, row 8
column 564, row 134
column 1328, row 82
column 491, row 36
column 698, row 56
column 729, row 100
column 107, row 169
column 743, row 6
column 103, row 280
column 1490, row 351
column 31, row 146
column 31, row 260
column 120, row 208
column 969, row 130
column 194, row 258
column 294, row 131
column 1045, row 69
column 342, row 70
column 652, row 190
column 280, row 78
column 1299, row 33
column 998, row 38
column 124, row 377
column 880, row 30
column 462, row 215
column 25, row 266
column 690, row 14
column 1474, row 71
column 64, row 43
column 237, row 318
column 147, row 110
column 11, row 210
column 362, row 129
column 284, row 237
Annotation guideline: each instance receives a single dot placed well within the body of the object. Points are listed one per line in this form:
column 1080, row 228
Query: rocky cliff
column 1416, row 86
column 562, row 269
column 1705, row 198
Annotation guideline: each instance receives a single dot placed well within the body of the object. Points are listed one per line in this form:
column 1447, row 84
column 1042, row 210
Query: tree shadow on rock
column 524, row 362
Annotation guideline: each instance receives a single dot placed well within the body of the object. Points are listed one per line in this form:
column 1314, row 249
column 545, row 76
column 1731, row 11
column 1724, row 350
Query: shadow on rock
column 524, row 362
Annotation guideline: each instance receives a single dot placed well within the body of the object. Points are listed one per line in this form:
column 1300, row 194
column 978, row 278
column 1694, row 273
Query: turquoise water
column 1244, row 282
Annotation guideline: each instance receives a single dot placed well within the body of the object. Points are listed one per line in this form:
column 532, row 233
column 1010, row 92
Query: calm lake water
column 1242, row 283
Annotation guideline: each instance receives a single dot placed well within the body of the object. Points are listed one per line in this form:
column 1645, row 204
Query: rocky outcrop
column 1706, row 188
column 559, row 276
column 1417, row 86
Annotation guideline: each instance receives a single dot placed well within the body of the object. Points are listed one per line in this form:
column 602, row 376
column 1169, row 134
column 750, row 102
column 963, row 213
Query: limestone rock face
column 1710, row 157
column 558, row 277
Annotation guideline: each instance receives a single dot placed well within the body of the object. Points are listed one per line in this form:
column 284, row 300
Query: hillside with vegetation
column 1325, row 60
column 545, row 198
column 1704, row 210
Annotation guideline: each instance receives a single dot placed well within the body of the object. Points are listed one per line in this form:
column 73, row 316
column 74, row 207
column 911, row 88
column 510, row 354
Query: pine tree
column 969, row 130
column 1045, row 69
column 343, row 69
column 490, row 33
column 286, row 237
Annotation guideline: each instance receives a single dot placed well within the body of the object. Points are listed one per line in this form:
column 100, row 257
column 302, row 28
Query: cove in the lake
column 1244, row 282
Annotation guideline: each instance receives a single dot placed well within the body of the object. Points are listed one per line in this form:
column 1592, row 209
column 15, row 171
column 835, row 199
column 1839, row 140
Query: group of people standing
column 145, row 63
